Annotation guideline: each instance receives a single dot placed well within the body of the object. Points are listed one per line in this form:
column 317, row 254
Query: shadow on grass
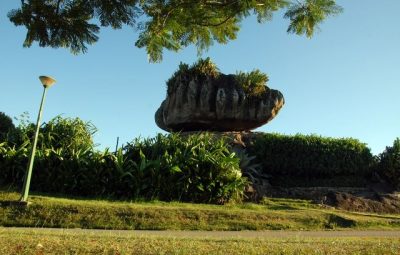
column 336, row 221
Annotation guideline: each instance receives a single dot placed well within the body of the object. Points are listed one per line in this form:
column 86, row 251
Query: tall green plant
column 198, row 168
column 13, row 162
column 65, row 156
column 71, row 134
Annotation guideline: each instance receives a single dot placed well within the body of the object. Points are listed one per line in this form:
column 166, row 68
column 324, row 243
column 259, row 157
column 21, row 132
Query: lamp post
column 47, row 82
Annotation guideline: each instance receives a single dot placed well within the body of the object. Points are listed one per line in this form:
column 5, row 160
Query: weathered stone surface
column 216, row 105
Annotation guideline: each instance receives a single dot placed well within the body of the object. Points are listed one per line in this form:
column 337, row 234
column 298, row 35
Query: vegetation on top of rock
column 253, row 83
column 202, row 68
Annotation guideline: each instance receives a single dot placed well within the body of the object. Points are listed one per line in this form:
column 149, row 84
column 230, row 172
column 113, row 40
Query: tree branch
column 215, row 24
column 58, row 6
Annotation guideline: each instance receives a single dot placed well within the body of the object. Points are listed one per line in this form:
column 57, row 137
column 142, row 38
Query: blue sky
column 344, row 82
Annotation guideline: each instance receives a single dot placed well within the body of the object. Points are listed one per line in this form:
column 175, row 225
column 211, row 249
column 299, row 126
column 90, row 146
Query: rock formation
column 204, row 103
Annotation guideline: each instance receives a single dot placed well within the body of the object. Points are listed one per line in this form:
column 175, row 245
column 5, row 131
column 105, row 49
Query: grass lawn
column 16, row 241
column 273, row 214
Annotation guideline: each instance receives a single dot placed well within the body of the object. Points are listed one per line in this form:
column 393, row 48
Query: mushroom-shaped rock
column 198, row 101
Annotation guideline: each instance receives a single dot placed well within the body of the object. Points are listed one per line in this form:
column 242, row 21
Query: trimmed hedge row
column 311, row 156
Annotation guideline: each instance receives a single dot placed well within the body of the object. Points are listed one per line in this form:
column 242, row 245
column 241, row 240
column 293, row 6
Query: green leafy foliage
column 389, row 164
column 24, row 132
column 13, row 163
column 196, row 168
column 169, row 25
column 309, row 159
column 206, row 67
column 305, row 16
column 6, row 126
column 251, row 169
column 71, row 134
column 253, row 83
column 57, row 24
column 68, row 134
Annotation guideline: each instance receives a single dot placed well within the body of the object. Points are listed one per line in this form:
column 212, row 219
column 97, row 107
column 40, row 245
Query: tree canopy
column 161, row 24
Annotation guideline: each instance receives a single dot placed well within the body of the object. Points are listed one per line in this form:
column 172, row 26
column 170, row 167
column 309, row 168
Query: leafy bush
column 6, row 126
column 70, row 134
column 13, row 163
column 389, row 164
column 308, row 158
column 196, row 168
column 65, row 160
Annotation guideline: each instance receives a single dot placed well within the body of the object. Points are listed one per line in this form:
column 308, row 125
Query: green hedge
column 311, row 157
column 195, row 168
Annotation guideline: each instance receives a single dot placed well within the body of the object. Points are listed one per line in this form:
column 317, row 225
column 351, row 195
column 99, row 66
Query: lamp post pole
column 47, row 82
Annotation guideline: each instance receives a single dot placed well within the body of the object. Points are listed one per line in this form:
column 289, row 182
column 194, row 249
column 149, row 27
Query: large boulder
column 201, row 98
column 201, row 103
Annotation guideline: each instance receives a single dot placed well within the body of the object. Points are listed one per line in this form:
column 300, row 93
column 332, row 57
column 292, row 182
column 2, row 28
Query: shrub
column 70, row 134
column 307, row 158
column 205, row 67
column 253, row 83
column 197, row 168
column 6, row 126
column 389, row 164
column 65, row 161
column 13, row 163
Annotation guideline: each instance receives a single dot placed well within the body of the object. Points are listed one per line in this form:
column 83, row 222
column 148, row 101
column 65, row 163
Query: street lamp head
column 47, row 81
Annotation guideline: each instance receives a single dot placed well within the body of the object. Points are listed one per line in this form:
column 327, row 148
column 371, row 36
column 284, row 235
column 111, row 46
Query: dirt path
column 214, row 234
